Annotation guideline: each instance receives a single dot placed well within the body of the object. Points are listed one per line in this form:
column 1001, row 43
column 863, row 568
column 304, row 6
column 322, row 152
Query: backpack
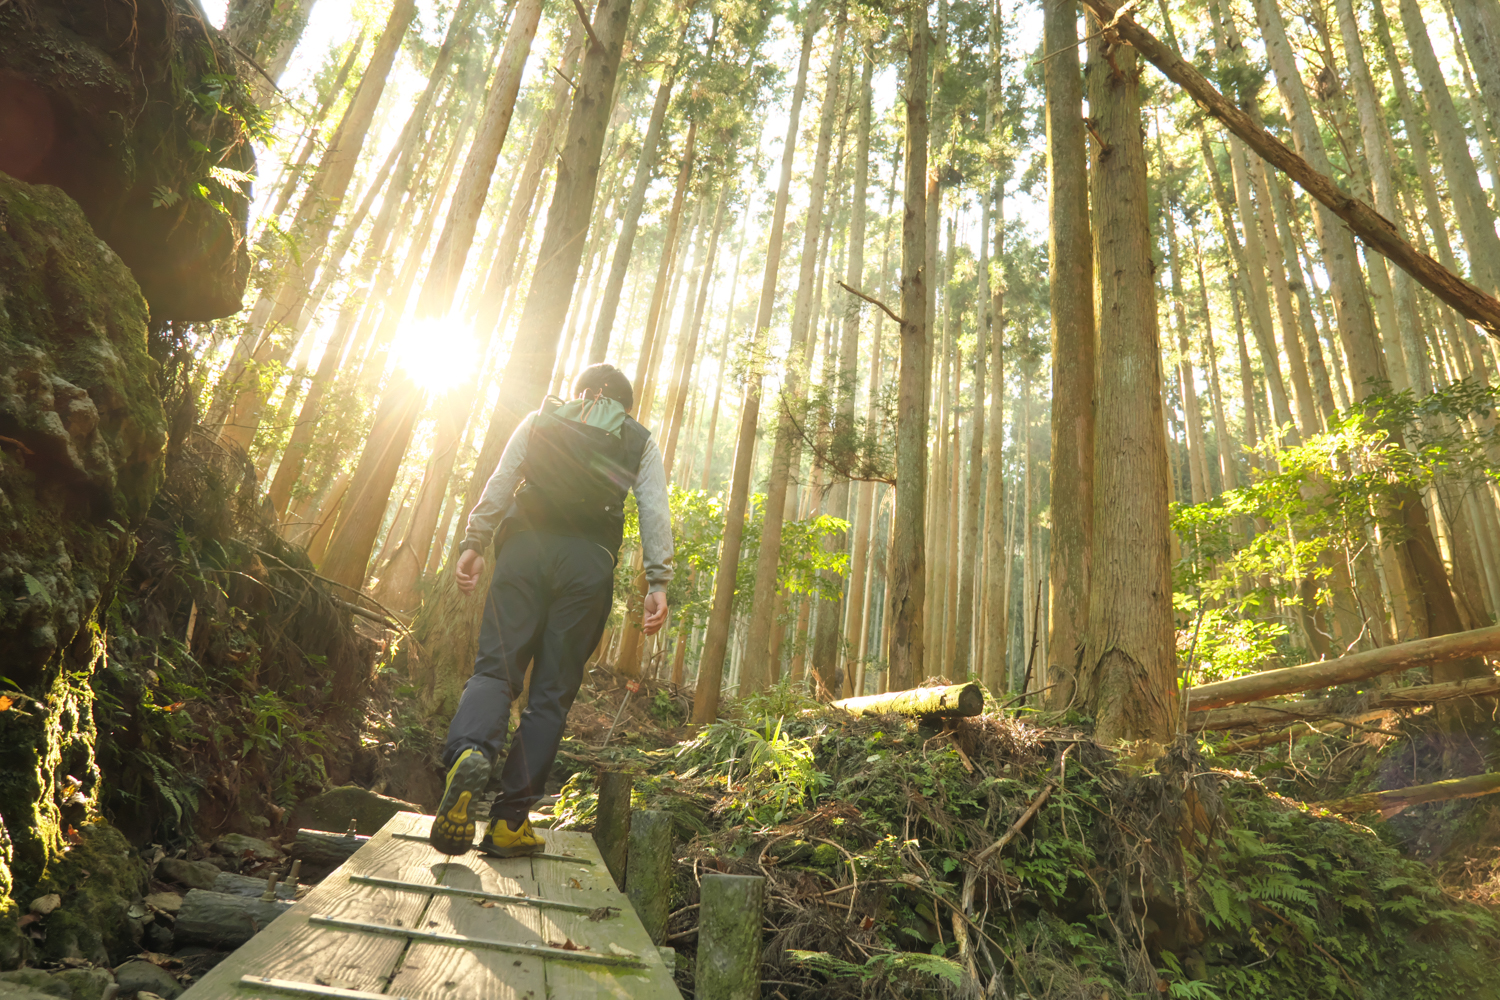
column 575, row 477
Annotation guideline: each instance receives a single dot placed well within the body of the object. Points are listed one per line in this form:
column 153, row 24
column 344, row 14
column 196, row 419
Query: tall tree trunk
column 452, row 249
column 716, row 637
column 1073, row 362
column 1479, row 22
column 320, row 205
column 723, row 372
column 1127, row 680
column 758, row 636
column 906, row 578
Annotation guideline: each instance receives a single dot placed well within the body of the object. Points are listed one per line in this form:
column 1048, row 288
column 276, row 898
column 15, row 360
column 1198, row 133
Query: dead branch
column 872, row 300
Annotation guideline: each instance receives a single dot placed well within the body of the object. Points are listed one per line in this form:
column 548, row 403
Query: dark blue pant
column 548, row 603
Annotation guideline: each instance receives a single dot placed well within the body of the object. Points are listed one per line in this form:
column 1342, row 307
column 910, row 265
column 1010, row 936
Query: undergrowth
column 1168, row 879
column 234, row 683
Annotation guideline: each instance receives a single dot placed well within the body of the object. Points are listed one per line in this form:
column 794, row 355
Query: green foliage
column 1278, row 542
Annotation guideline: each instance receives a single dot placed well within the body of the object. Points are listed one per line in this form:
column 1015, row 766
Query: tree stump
column 729, row 918
column 612, row 821
column 648, row 879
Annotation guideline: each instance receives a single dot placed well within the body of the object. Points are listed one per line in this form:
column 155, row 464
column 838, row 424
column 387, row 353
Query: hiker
column 555, row 509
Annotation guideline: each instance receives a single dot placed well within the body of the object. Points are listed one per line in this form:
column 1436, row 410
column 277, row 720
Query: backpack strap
column 634, row 436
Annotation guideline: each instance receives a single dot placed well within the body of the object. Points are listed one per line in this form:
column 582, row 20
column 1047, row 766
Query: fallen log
column 220, row 920
column 956, row 701
column 1280, row 713
column 1391, row 802
column 1343, row 669
column 1295, row 732
column 1376, row 231
column 319, row 849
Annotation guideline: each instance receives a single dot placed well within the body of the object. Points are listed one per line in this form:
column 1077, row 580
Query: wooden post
column 648, row 879
column 612, row 821
column 729, row 918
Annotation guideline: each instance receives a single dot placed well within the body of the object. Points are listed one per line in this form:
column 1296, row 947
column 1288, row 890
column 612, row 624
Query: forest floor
column 237, row 687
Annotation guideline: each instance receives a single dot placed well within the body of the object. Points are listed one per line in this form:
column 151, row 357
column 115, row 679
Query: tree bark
column 716, row 638
column 953, row 701
column 1128, row 670
column 1278, row 713
column 1394, row 801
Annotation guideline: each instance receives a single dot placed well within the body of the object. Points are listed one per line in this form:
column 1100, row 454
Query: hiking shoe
column 501, row 841
column 453, row 826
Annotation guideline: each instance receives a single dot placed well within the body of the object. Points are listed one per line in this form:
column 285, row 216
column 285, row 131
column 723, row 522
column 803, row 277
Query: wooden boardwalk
column 400, row 920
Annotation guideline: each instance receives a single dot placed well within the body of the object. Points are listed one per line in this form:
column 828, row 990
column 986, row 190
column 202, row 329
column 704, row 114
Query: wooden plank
column 291, row 949
column 593, row 887
column 432, row 971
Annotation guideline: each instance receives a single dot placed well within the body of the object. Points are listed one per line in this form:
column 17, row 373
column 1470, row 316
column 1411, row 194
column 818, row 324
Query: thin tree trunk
column 320, row 204
column 1073, row 369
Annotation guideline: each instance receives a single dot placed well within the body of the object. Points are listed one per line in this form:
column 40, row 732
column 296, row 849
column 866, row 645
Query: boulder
column 333, row 810
column 143, row 121
column 69, row 984
column 237, row 845
column 100, row 880
column 138, row 976
column 193, row 874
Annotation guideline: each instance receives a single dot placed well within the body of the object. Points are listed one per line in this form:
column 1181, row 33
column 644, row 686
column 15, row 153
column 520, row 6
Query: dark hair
column 607, row 379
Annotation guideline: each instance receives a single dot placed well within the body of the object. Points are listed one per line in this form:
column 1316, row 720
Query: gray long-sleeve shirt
column 650, row 488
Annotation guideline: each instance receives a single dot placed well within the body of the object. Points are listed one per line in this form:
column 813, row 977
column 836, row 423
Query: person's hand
column 470, row 568
column 656, row 613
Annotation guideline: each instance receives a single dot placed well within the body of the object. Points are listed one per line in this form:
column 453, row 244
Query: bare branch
column 872, row 300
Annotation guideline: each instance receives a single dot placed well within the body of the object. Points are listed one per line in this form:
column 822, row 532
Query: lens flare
column 436, row 352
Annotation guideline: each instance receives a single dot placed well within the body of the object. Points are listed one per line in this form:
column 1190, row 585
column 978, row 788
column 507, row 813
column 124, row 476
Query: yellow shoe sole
column 453, row 826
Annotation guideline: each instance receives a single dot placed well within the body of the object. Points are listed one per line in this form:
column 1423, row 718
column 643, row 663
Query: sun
column 436, row 352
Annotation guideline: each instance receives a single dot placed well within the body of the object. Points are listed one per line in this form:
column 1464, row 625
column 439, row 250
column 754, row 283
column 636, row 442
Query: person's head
column 607, row 380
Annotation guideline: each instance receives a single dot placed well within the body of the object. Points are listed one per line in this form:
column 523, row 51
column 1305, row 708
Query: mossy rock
column 139, row 115
column 81, row 439
column 101, row 880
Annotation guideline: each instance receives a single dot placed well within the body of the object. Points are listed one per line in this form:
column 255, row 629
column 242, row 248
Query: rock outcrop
column 81, row 437
column 134, row 108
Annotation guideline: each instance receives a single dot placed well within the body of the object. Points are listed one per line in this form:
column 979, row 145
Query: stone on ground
column 138, row 976
column 333, row 810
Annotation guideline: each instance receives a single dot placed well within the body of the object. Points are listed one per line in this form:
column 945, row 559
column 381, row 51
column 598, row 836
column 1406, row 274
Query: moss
column 79, row 465
column 100, row 879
